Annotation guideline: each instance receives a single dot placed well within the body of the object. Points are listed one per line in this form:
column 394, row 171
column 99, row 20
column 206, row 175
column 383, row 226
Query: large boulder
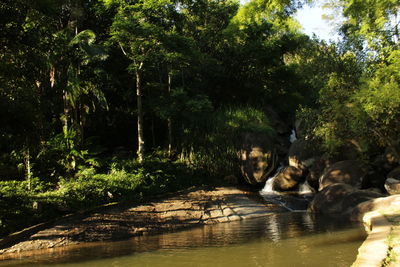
column 394, row 174
column 301, row 154
column 392, row 157
column 315, row 172
column 257, row 158
column 300, row 128
column 379, row 204
column 392, row 186
column 351, row 200
column 392, row 183
column 388, row 160
column 340, row 199
column 351, row 172
column 288, row 179
column 375, row 178
column 329, row 200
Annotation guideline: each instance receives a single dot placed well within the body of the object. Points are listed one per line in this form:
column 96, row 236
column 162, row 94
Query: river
column 287, row 239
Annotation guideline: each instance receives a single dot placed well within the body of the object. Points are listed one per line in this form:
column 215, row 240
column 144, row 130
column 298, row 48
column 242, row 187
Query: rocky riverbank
column 381, row 218
column 121, row 221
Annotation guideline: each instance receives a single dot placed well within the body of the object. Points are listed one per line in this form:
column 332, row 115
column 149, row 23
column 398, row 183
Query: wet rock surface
column 392, row 186
column 381, row 218
column 340, row 200
column 301, row 155
column 257, row 158
column 197, row 207
column 351, row 172
column 287, row 179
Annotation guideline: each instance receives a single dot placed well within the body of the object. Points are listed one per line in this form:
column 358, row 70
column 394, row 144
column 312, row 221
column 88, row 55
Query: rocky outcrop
column 340, row 199
column 392, row 183
column 375, row 178
column 381, row 218
column 288, row 179
column 120, row 221
column 314, row 173
column 257, row 158
column 394, row 174
column 349, row 172
column 392, row 186
column 382, row 203
column 301, row 155
column 329, row 200
column 391, row 157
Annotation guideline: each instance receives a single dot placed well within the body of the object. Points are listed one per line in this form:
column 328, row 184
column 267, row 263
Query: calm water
column 290, row 239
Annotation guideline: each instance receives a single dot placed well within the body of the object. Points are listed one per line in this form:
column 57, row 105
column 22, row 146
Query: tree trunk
column 66, row 115
column 28, row 168
column 141, row 143
column 169, row 118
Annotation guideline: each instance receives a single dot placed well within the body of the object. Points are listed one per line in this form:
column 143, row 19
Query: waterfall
column 293, row 136
column 305, row 188
column 267, row 190
column 297, row 202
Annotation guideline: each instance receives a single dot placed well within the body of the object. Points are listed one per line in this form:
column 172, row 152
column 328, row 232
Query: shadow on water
column 272, row 237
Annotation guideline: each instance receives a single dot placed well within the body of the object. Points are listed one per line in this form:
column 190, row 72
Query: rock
column 329, row 200
column 390, row 203
column 386, row 161
column 351, row 172
column 391, row 157
column 350, row 150
column 395, row 174
column 340, row 199
column 392, row 183
column 351, row 200
column 201, row 206
column 392, row 186
column 315, row 172
column 287, row 179
column 301, row 155
column 300, row 128
column 374, row 179
column 257, row 158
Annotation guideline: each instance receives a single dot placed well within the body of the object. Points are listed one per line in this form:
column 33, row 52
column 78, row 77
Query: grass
column 124, row 181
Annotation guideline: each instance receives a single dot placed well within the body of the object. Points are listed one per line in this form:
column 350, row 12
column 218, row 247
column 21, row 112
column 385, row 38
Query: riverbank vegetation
column 115, row 100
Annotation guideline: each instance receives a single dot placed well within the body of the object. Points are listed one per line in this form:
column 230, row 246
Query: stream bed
column 286, row 239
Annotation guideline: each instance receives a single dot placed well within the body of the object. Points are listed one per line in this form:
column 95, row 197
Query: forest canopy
column 109, row 100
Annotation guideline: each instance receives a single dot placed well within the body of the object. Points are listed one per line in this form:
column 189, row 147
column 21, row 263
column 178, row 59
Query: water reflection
column 268, row 238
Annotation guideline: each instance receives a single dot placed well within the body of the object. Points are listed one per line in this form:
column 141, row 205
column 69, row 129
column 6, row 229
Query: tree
column 139, row 30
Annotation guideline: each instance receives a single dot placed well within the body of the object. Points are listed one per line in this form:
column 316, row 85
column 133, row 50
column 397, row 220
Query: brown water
column 290, row 239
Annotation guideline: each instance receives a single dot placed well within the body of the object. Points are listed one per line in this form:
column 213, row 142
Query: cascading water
column 268, row 188
column 284, row 199
column 293, row 136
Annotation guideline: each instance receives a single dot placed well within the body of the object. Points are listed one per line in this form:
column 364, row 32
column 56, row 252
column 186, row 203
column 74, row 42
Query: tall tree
column 139, row 30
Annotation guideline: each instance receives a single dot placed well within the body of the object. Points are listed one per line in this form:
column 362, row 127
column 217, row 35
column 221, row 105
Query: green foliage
column 126, row 180
column 374, row 21
column 16, row 204
column 333, row 122
column 203, row 69
column 218, row 138
column 238, row 120
column 379, row 99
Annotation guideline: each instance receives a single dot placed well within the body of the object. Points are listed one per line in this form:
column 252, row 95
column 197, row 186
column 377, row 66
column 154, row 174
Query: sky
column 311, row 20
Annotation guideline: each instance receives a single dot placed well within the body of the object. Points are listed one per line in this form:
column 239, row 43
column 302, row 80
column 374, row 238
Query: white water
column 267, row 190
column 304, row 189
column 292, row 136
